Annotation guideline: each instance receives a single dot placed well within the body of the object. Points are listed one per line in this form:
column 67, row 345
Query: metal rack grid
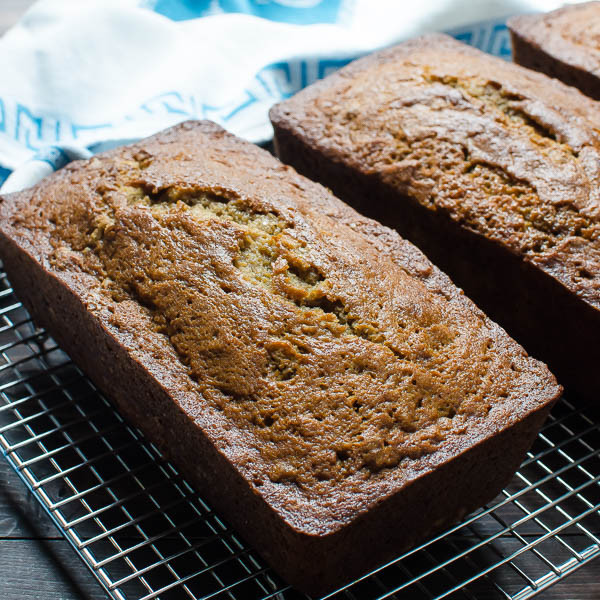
column 145, row 533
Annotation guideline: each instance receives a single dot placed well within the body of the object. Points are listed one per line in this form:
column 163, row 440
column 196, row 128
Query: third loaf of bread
column 561, row 44
column 493, row 170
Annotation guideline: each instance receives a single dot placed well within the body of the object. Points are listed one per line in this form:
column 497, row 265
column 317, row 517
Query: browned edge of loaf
column 312, row 562
column 548, row 59
column 540, row 312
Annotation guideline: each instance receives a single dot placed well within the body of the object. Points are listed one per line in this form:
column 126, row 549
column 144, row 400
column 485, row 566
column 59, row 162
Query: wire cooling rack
column 145, row 533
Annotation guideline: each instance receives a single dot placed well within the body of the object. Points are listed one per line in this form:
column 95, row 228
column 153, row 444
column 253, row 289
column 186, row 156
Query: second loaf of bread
column 491, row 169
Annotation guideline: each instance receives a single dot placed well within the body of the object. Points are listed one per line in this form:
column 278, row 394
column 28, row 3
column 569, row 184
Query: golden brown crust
column 318, row 354
column 564, row 43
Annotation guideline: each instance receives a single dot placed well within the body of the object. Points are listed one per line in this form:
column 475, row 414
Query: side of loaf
column 491, row 169
column 562, row 44
column 313, row 374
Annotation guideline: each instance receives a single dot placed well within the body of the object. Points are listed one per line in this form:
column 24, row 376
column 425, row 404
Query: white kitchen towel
column 81, row 76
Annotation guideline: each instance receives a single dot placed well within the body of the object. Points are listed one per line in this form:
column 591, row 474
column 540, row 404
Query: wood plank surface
column 35, row 560
column 44, row 570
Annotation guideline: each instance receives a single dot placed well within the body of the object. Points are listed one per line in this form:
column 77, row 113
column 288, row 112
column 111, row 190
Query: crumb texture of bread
column 445, row 133
column 564, row 43
column 321, row 354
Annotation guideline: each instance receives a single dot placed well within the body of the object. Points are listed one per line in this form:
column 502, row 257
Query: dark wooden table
column 36, row 562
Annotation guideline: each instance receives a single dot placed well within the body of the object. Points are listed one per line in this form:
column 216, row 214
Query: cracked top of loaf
column 326, row 357
column 507, row 153
column 571, row 34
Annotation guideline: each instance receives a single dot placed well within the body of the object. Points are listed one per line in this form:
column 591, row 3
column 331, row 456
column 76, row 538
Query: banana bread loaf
column 562, row 44
column 491, row 169
column 321, row 382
